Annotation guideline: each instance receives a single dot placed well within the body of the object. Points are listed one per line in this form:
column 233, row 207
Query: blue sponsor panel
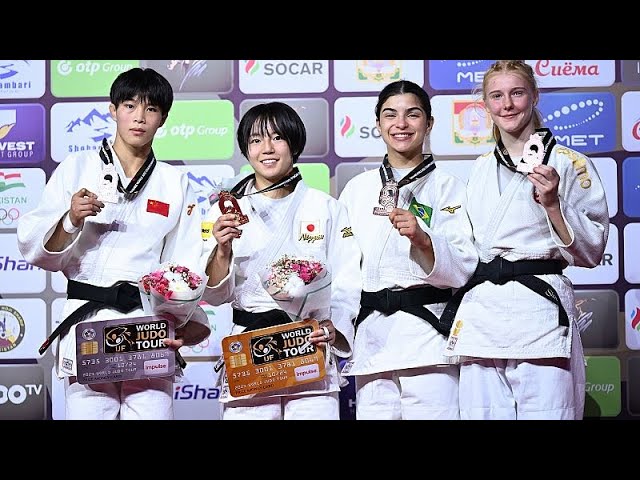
column 631, row 187
column 584, row 121
column 22, row 138
column 457, row 74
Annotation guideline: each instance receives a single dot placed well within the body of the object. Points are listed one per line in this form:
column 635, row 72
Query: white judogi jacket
column 511, row 321
column 123, row 242
column 401, row 340
column 276, row 227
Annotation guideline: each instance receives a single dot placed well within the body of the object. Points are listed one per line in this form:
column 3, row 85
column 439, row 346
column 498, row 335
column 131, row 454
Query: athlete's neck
column 130, row 158
column 514, row 143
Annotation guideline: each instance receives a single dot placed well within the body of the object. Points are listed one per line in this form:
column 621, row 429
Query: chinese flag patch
column 156, row 206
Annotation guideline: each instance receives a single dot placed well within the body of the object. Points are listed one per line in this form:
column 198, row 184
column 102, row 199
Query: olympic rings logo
column 7, row 217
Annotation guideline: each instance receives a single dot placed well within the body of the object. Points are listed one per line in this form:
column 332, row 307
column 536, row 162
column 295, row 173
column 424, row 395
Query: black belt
column 411, row 300
column 500, row 271
column 254, row 321
column 122, row 296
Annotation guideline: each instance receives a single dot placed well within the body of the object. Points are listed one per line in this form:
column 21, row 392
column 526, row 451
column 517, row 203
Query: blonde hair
column 523, row 70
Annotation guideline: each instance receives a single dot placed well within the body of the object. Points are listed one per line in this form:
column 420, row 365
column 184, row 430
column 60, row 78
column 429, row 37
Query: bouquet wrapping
column 301, row 286
column 172, row 289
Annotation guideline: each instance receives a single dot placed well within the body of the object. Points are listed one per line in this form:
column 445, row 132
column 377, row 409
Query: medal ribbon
column 139, row 179
column 427, row 165
column 291, row 179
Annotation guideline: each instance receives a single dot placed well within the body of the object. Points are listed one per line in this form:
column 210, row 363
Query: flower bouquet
column 172, row 289
column 301, row 286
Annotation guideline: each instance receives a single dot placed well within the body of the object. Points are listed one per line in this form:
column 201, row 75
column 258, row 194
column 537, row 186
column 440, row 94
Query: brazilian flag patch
column 423, row 212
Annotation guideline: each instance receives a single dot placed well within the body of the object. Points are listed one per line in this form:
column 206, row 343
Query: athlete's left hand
column 407, row 225
column 545, row 180
column 320, row 336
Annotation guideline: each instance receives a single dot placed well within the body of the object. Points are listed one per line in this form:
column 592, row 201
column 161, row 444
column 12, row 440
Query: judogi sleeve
column 223, row 291
column 36, row 227
column 455, row 255
column 183, row 244
column 584, row 207
column 344, row 257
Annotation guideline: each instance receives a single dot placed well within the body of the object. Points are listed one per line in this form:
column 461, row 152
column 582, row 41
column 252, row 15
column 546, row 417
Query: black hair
column 278, row 116
column 400, row 87
column 145, row 85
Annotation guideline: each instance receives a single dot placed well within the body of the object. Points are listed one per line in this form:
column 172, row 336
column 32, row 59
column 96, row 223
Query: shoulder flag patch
column 423, row 212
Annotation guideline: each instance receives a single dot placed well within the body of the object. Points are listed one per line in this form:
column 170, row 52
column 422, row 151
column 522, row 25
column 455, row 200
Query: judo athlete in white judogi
column 411, row 258
column 285, row 217
column 516, row 321
column 95, row 243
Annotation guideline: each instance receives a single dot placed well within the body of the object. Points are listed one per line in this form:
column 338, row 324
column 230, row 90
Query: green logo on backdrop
column 197, row 130
column 315, row 175
column 86, row 78
column 603, row 387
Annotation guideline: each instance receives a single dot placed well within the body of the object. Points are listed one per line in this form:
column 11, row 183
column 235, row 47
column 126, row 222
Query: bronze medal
column 229, row 204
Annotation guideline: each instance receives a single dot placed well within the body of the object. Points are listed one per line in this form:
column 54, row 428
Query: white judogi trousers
column 425, row 393
column 529, row 389
column 144, row 399
column 287, row 407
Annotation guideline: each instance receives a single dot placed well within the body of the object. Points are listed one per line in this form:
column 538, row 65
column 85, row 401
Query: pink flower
column 169, row 279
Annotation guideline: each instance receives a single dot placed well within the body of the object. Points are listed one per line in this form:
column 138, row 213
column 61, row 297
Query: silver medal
column 388, row 199
column 532, row 155
column 108, row 187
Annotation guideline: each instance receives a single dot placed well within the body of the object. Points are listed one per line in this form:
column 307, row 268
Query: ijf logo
column 584, row 121
column 11, row 328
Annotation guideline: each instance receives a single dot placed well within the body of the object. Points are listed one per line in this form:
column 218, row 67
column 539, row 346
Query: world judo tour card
column 272, row 358
column 124, row 349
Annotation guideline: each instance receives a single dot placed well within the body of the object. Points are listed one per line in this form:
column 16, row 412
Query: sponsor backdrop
column 50, row 108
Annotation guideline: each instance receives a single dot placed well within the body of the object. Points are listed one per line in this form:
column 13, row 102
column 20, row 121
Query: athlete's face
column 510, row 102
column 269, row 155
